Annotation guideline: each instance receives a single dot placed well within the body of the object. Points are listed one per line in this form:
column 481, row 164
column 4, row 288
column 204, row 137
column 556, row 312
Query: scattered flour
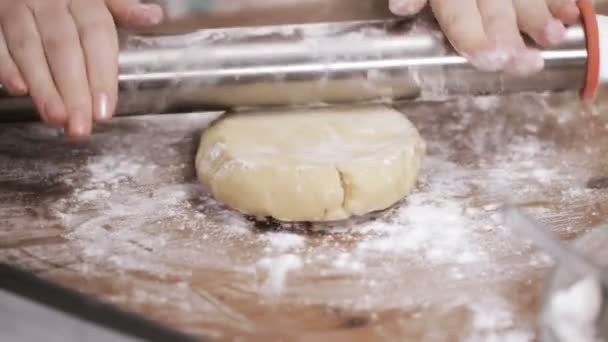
column 345, row 262
column 93, row 195
column 487, row 103
column 283, row 242
column 112, row 169
column 277, row 270
column 493, row 321
column 116, row 235
column 433, row 224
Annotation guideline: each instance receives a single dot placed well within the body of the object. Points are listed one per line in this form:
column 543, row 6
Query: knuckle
column 14, row 14
column 452, row 20
column 438, row 5
column 78, row 110
column 43, row 91
column 42, row 5
column 16, row 8
column 55, row 43
column 97, row 25
column 101, row 19
column 23, row 39
column 79, row 102
column 103, row 79
column 495, row 17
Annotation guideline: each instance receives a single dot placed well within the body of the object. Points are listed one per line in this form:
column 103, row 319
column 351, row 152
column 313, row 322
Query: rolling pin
column 328, row 64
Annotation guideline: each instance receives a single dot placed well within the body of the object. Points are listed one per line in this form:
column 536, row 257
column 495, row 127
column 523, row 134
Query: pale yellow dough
column 311, row 165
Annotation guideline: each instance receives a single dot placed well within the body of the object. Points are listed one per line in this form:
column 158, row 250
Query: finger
column 100, row 44
column 462, row 24
column 406, row 7
column 565, row 10
column 66, row 60
column 10, row 76
column 132, row 13
column 25, row 46
column 535, row 19
column 500, row 24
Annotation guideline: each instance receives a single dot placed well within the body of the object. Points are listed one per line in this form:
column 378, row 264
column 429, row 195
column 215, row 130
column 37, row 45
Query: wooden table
column 122, row 218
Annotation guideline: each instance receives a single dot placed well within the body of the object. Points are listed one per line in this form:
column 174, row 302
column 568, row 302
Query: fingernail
column 78, row 127
column 149, row 14
column 490, row 60
column 71, row 136
column 526, row 62
column 555, row 32
column 103, row 107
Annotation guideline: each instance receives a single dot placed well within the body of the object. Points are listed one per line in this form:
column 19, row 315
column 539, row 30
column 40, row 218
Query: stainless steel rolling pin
column 320, row 64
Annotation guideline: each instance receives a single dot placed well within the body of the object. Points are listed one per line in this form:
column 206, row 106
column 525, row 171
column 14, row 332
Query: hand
column 488, row 32
column 64, row 54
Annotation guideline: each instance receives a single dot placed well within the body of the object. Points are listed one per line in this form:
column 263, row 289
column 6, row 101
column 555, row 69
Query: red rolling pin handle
column 590, row 23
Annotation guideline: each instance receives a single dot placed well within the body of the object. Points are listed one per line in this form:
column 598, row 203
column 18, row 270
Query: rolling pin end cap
column 592, row 37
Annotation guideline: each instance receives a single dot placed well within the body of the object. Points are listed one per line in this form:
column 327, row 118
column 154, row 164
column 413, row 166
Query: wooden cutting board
column 122, row 218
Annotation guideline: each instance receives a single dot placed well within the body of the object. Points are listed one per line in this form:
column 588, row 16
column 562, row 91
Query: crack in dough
column 311, row 165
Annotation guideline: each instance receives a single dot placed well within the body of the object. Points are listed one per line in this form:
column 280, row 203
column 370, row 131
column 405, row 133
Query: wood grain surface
column 122, row 218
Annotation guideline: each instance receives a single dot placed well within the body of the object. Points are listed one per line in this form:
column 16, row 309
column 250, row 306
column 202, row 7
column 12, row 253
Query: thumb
column 406, row 7
column 133, row 13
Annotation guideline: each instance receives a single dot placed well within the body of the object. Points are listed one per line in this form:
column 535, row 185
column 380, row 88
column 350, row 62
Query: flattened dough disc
column 311, row 165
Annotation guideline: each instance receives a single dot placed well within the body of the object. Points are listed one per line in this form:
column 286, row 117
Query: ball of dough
column 311, row 165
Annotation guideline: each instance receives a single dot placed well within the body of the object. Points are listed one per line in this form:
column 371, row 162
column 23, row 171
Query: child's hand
column 487, row 32
column 64, row 54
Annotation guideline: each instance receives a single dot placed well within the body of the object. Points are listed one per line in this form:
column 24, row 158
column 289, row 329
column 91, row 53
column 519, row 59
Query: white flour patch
column 277, row 270
column 283, row 242
column 111, row 169
column 344, row 262
column 521, row 164
column 93, row 195
column 433, row 224
column 487, row 103
column 121, row 238
column 493, row 321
